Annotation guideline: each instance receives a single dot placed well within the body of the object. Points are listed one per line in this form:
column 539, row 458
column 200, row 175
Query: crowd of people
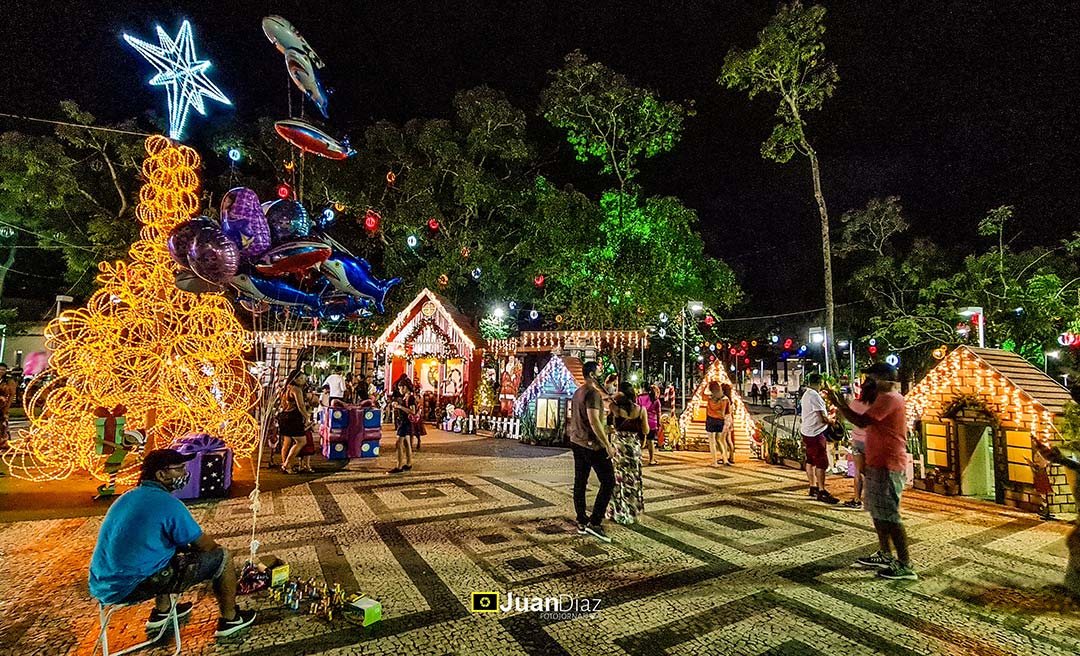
column 150, row 547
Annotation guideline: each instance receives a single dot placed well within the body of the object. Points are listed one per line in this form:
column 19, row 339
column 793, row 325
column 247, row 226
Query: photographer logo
column 485, row 602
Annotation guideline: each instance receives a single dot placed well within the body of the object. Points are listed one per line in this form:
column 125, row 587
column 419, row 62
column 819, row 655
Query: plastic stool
column 105, row 613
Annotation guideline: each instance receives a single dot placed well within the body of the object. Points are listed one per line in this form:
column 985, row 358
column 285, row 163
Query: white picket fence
column 506, row 427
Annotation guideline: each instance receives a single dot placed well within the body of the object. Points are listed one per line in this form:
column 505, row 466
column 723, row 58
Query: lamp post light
column 850, row 345
column 976, row 312
column 1049, row 355
column 694, row 307
column 820, row 336
column 62, row 299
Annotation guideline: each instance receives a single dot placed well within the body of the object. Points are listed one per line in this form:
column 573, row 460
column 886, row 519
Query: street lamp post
column 1052, row 355
column 62, row 299
column 850, row 345
column 821, row 336
column 694, row 307
column 980, row 320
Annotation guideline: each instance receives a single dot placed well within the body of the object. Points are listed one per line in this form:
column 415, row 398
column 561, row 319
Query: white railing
column 506, row 427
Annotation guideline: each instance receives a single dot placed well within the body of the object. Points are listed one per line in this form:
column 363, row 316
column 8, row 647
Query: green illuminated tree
column 608, row 120
column 788, row 63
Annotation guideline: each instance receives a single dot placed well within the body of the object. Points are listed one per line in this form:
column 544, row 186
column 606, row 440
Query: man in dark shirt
column 592, row 452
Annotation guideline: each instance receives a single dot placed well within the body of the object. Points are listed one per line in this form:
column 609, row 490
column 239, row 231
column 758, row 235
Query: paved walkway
column 725, row 561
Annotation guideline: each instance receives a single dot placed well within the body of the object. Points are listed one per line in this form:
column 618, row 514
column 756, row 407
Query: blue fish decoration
column 352, row 275
column 274, row 292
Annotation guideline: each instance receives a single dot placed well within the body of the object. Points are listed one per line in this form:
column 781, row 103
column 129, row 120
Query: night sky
column 955, row 107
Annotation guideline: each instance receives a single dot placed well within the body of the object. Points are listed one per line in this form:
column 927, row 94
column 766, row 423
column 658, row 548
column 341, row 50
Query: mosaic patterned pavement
column 725, row 561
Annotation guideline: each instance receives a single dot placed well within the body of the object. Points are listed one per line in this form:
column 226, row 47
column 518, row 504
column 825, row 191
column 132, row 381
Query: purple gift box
column 210, row 469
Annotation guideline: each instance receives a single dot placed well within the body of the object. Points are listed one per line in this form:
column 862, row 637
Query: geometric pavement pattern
column 735, row 560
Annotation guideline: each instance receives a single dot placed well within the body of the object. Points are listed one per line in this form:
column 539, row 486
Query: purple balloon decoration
column 214, row 257
column 287, row 219
column 243, row 221
column 181, row 237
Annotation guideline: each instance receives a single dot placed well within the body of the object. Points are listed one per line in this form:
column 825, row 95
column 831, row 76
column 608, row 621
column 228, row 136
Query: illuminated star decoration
column 181, row 73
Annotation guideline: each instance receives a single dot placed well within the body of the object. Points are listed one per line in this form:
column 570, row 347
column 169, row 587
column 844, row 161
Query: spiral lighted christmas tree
column 170, row 360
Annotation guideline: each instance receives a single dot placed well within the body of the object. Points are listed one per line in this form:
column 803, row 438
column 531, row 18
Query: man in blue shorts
column 150, row 546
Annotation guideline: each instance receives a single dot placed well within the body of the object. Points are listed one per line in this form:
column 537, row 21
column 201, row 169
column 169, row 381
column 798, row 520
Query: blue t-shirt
column 140, row 534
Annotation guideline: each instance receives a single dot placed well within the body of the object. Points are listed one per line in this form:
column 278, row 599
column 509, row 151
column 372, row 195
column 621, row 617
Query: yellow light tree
column 172, row 360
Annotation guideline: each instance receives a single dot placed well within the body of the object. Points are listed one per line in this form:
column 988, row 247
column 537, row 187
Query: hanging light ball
column 283, row 190
column 433, row 224
column 709, row 321
column 412, row 241
column 539, row 280
column 476, row 273
column 465, row 252
column 444, row 280
column 390, row 177
column 235, row 155
column 289, row 166
column 534, row 315
column 558, row 318
column 339, row 206
column 513, row 305
column 661, row 333
column 641, row 311
column 371, row 220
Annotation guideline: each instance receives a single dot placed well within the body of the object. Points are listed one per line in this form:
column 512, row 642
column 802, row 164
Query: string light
column 174, row 360
column 235, row 155
column 549, row 340
column 743, row 420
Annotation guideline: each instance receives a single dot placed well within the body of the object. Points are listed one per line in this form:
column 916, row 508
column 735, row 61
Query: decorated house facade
column 436, row 347
column 544, row 405
column 975, row 416
column 692, row 420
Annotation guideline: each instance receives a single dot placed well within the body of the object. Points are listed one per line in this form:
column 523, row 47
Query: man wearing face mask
column 150, row 546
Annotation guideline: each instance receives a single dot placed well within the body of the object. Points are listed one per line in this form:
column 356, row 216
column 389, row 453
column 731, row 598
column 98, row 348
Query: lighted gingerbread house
column 435, row 346
column 546, row 401
column 974, row 416
column 692, row 421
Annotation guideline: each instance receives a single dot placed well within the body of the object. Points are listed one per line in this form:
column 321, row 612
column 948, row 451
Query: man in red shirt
column 883, row 479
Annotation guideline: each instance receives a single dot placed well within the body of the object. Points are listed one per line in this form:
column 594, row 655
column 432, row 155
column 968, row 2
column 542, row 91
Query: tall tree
column 788, row 63
column 70, row 194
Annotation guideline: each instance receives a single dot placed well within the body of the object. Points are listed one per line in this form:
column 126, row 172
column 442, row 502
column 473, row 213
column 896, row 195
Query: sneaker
column 824, row 497
column 243, row 619
column 895, row 571
column 876, row 559
column 854, row 504
column 813, row 492
column 406, row 468
column 158, row 619
column 597, row 532
column 582, row 528
column 396, row 470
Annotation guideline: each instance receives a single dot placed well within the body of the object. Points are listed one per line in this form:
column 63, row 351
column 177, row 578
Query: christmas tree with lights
column 168, row 362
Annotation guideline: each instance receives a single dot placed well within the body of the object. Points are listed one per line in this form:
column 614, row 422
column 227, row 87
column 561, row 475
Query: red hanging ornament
column 283, row 190
column 433, row 224
column 371, row 220
column 539, row 280
column 709, row 321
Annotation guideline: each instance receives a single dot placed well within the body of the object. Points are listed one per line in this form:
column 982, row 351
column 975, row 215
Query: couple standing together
column 614, row 454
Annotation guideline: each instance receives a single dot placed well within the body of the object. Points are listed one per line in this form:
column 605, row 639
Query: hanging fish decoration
column 353, row 276
column 286, row 37
column 311, row 139
column 274, row 292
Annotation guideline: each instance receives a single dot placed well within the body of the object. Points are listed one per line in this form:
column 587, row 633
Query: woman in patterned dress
column 631, row 427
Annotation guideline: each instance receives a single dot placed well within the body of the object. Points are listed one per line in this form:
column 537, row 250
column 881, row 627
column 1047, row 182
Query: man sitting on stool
column 150, row 546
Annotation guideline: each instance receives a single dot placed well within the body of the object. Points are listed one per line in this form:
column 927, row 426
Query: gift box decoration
column 369, row 449
column 210, row 469
column 278, row 568
column 335, row 450
column 367, row 611
column 372, row 418
column 336, row 418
